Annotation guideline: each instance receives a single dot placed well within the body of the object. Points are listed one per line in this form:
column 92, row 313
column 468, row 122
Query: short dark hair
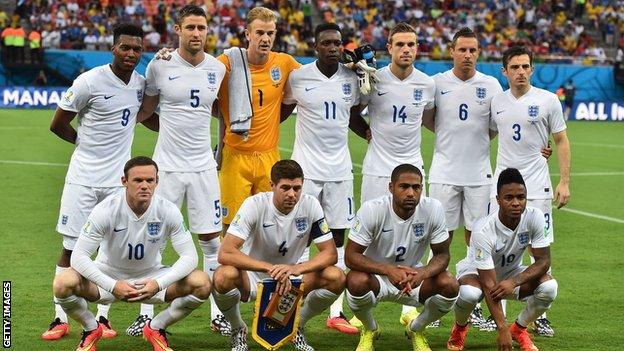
column 401, row 27
column 323, row 27
column 509, row 176
column 127, row 29
column 139, row 161
column 404, row 168
column 463, row 33
column 285, row 169
column 516, row 51
column 189, row 10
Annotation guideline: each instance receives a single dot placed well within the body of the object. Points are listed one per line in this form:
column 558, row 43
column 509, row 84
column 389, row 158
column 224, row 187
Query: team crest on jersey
column 302, row 224
column 153, row 228
column 481, row 93
column 346, row 89
column 419, row 230
column 418, row 94
column 523, row 238
column 140, row 95
column 276, row 75
column 212, row 78
column 64, row 219
column 533, row 111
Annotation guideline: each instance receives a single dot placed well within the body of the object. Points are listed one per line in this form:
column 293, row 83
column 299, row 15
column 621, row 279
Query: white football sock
column 77, row 308
column 147, row 310
column 539, row 302
column 468, row 298
column 362, row 307
column 316, row 301
column 229, row 304
column 435, row 307
column 178, row 309
column 210, row 249
column 102, row 310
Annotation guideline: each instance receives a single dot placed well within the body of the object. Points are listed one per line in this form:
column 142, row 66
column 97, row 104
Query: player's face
column 127, row 52
column 512, row 199
column 329, row 46
column 260, row 36
column 141, row 182
column 465, row 53
column 286, row 194
column 403, row 49
column 192, row 33
column 519, row 71
column 406, row 191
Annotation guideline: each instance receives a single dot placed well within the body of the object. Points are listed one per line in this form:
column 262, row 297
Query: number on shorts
column 547, row 219
column 217, row 208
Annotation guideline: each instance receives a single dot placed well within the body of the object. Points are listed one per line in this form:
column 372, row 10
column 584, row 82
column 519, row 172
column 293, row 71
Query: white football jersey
column 322, row 126
column 129, row 243
column 395, row 108
column 494, row 246
column 393, row 240
column 106, row 109
column 186, row 94
column 274, row 237
column 462, row 129
column 524, row 126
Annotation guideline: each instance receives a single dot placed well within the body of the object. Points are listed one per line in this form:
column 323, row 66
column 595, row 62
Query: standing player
column 524, row 117
column 384, row 252
column 397, row 106
column 246, row 162
column 186, row 86
column 494, row 270
column 461, row 174
column 106, row 100
column 266, row 239
column 129, row 230
column 327, row 94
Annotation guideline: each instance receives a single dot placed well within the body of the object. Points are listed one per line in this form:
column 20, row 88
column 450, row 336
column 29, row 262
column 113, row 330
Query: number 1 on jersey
column 333, row 112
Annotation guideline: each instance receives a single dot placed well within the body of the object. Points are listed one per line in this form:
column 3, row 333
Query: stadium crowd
column 553, row 29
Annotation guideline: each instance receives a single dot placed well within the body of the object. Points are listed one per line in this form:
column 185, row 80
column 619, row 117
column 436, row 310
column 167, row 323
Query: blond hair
column 261, row 13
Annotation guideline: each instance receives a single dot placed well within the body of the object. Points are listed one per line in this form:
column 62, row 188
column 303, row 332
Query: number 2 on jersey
column 400, row 253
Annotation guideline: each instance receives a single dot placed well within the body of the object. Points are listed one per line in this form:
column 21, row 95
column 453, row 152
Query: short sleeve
column 432, row 92
column 539, row 231
column 357, row 96
column 77, row 96
column 319, row 232
column 360, row 232
column 289, row 99
column 439, row 231
column 555, row 116
column 292, row 64
column 481, row 250
column 151, row 84
column 244, row 221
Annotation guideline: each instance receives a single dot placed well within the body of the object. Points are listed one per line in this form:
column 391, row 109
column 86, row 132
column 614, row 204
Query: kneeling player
column 494, row 267
column 130, row 229
column 266, row 238
column 384, row 252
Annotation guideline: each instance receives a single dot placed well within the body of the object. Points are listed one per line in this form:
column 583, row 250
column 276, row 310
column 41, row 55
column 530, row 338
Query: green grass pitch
column 586, row 257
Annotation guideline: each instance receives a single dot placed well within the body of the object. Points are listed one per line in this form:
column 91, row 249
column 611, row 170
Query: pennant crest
column 523, row 238
column 533, row 111
column 139, row 95
column 212, row 78
column 276, row 74
column 302, row 224
column 276, row 319
column 346, row 89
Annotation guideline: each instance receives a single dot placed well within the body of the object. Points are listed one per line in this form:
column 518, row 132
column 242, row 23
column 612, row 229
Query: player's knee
column 338, row 235
column 358, row 283
column 547, row 291
column 470, row 294
column 200, row 284
column 448, row 285
column 335, row 278
column 66, row 283
column 224, row 277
